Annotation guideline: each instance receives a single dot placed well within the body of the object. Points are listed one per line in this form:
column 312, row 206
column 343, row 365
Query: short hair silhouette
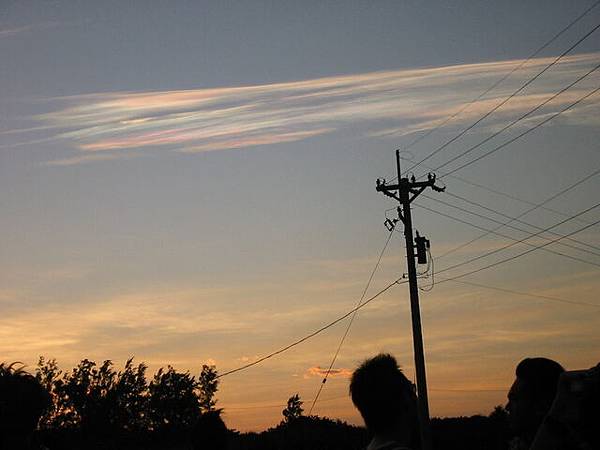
column 540, row 380
column 382, row 393
column 210, row 432
column 23, row 401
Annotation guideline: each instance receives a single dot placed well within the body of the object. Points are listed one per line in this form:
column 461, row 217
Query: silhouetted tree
column 208, row 384
column 173, row 400
column 94, row 398
column 293, row 410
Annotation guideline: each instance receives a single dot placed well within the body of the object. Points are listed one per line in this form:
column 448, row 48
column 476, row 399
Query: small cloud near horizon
column 321, row 372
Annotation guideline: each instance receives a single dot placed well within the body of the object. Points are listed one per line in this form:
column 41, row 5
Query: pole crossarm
column 407, row 185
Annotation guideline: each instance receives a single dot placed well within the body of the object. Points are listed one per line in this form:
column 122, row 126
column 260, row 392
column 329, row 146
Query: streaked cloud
column 333, row 373
column 6, row 32
column 89, row 158
column 383, row 104
column 9, row 32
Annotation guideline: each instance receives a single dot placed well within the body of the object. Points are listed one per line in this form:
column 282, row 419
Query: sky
column 193, row 182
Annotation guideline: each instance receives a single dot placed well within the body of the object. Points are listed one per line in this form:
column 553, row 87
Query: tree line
column 97, row 406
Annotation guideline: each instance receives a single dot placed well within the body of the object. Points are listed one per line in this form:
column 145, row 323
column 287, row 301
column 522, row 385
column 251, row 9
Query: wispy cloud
column 384, row 104
column 333, row 373
column 6, row 32
column 89, row 158
column 12, row 31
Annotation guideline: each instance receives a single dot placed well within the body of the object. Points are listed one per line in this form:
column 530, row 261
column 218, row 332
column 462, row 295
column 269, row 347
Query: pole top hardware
column 390, row 224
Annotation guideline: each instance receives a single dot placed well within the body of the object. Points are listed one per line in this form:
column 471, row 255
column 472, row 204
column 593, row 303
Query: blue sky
column 195, row 181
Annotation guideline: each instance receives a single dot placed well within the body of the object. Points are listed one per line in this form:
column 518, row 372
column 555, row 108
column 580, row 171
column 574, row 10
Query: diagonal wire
column 362, row 297
column 492, row 252
column 511, row 291
column 314, row 333
column 505, row 224
column 529, row 130
column 497, row 83
column 517, row 120
column 504, row 194
column 533, row 208
column 503, row 102
column 574, row 258
column 511, row 258
column 576, row 241
column 524, row 213
column 402, row 281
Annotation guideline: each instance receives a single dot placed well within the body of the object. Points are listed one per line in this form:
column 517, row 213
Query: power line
column 529, row 130
column 511, row 258
column 533, row 208
column 401, row 281
column 503, row 194
column 497, row 83
column 520, row 118
column 337, row 352
column 528, row 294
column 474, row 203
column 516, row 241
column 314, row 333
column 492, row 252
column 507, row 224
column 503, row 102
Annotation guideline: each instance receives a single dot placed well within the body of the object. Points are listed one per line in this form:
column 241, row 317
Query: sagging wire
column 391, row 226
column 430, row 265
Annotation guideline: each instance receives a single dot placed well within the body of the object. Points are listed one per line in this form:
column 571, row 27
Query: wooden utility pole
column 405, row 191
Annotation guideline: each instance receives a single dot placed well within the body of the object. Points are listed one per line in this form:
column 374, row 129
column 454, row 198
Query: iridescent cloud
column 383, row 104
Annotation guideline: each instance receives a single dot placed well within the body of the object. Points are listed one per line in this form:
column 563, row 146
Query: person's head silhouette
column 531, row 395
column 22, row 402
column 386, row 400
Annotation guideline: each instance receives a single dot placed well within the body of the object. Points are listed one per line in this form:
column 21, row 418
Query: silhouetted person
column 22, row 402
column 573, row 419
column 530, row 398
column 210, row 432
column 387, row 402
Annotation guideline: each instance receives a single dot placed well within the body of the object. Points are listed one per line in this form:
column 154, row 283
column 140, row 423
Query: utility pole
column 405, row 192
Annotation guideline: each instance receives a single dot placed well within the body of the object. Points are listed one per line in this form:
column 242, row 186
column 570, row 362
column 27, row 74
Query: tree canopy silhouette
column 293, row 410
column 99, row 401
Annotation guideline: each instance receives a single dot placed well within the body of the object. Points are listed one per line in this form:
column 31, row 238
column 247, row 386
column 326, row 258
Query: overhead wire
column 505, row 224
column 503, row 102
column 519, row 119
column 528, row 294
column 516, row 241
column 499, row 81
column 479, row 205
column 529, row 210
column 501, row 193
column 431, row 271
column 511, row 258
column 343, row 339
column 519, row 136
column 401, row 281
column 314, row 333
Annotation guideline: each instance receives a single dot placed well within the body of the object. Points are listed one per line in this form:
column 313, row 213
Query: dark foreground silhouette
column 98, row 407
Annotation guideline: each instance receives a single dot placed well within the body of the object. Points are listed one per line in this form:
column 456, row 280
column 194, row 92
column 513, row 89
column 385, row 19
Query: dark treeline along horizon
column 97, row 406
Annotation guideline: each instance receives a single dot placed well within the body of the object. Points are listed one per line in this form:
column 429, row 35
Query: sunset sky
column 193, row 182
